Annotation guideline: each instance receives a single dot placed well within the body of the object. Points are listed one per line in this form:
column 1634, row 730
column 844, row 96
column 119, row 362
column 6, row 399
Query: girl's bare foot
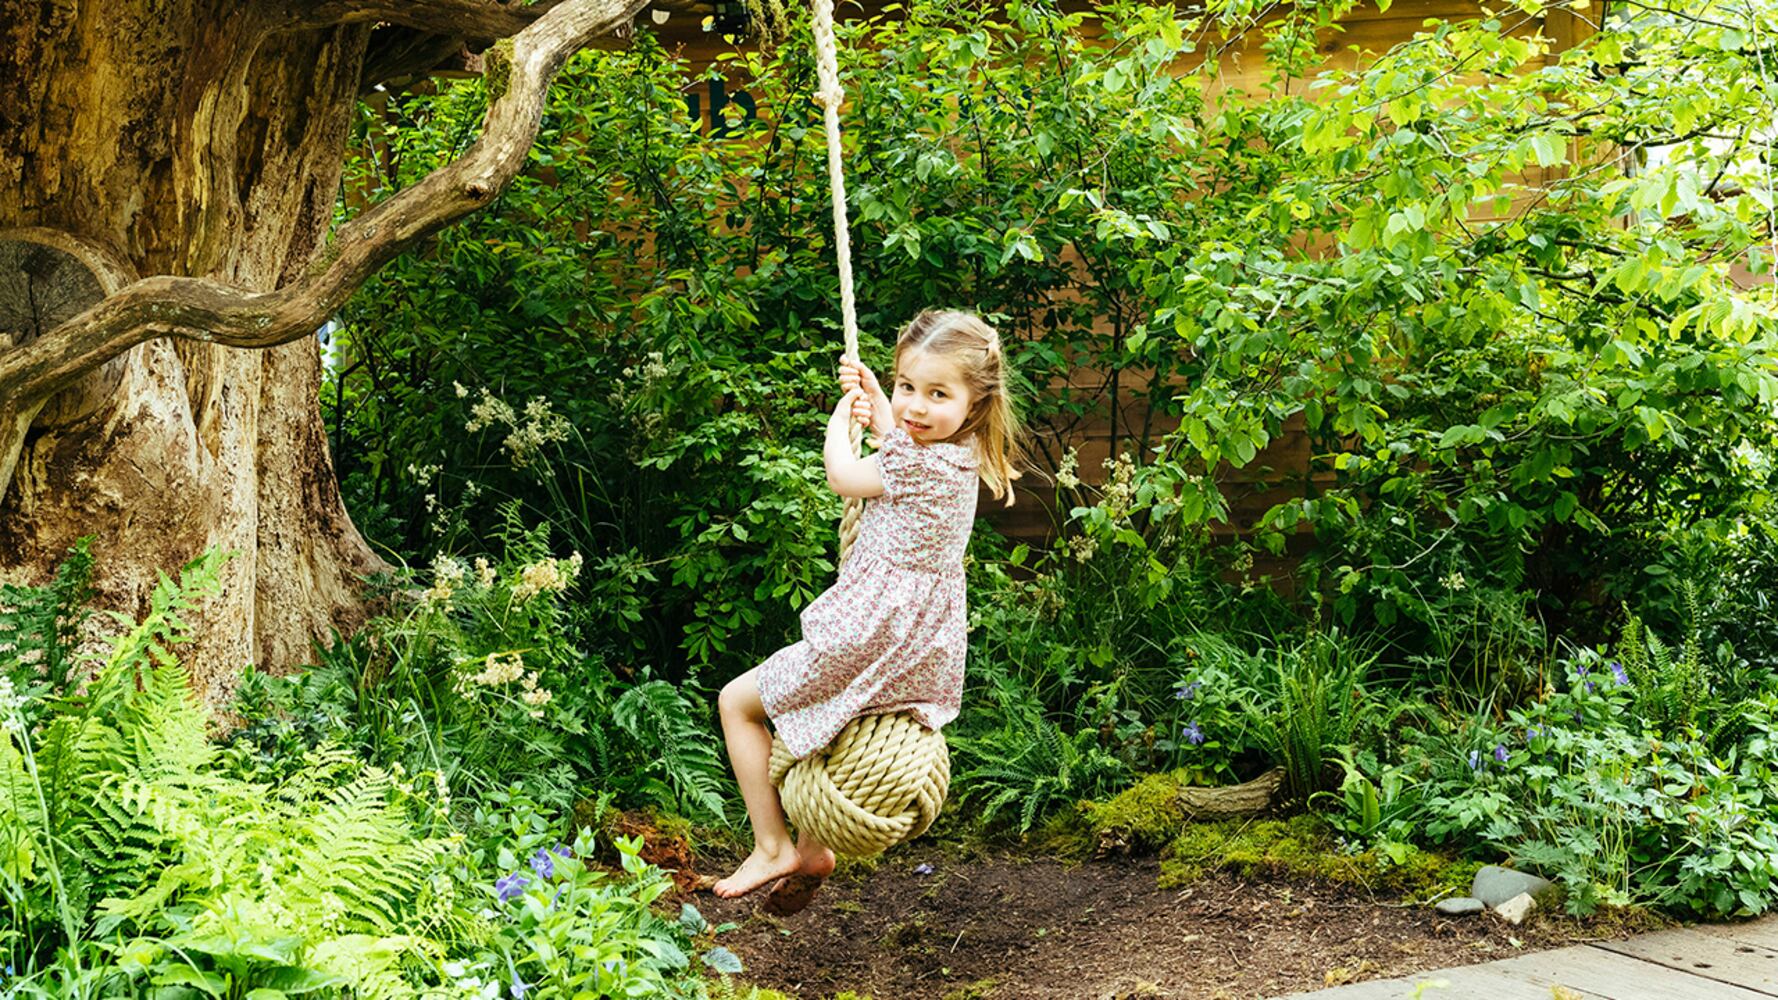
column 793, row 893
column 759, row 868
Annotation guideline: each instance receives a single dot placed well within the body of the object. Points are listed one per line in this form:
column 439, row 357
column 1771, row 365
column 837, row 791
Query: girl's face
column 931, row 400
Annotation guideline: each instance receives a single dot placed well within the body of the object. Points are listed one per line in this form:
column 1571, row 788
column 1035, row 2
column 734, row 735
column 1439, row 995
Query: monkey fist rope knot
column 880, row 782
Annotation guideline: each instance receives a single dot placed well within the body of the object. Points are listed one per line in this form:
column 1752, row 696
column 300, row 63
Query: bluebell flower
column 1192, row 733
column 1500, row 753
column 1475, row 760
column 543, row 863
column 1532, row 733
column 561, row 851
column 1619, row 674
column 511, row 885
column 922, row 869
column 1188, row 691
column 519, row 987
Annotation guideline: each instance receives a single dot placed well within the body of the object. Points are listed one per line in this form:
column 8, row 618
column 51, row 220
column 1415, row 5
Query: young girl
column 890, row 634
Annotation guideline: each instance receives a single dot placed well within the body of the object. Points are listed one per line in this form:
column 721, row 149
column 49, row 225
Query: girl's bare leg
column 750, row 752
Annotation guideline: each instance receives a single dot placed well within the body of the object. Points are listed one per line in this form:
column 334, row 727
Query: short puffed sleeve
column 906, row 468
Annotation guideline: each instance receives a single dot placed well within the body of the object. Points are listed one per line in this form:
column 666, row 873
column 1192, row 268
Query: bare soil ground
column 1002, row 927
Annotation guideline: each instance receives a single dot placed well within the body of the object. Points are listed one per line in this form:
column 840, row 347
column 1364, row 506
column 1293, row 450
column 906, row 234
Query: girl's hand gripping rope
column 878, row 416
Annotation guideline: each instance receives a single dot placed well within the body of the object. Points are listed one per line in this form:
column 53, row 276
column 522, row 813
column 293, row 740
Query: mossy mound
column 1304, row 847
column 1145, row 816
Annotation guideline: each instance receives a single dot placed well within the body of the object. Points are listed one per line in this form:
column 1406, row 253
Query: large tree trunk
column 202, row 140
column 182, row 138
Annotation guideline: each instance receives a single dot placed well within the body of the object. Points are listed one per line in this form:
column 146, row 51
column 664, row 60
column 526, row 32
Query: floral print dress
column 890, row 635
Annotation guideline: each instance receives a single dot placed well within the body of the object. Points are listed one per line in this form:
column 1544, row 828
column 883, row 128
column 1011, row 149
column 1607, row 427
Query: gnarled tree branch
column 464, row 18
column 201, row 309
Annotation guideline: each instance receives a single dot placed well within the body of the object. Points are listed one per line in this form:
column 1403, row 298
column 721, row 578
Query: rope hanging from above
column 830, row 97
column 884, row 777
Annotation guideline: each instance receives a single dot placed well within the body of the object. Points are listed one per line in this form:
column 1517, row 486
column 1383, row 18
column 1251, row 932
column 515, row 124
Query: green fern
column 40, row 626
column 659, row 718
column 1672, row 685
column 1316, row 712
column 1030, row 763
column 295, row 888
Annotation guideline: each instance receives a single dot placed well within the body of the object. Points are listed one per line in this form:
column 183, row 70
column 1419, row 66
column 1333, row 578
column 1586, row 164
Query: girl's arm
column 847, row 474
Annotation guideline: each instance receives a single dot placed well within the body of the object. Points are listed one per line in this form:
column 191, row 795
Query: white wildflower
column 546, row 575
column 1120, row 491
column 1454, row 582
column 498, row 669
column 542, row 426
column 1065, row 473
column 484, row 572
column 447, row 576
column 1082, row 547
column 488, row 411
column 11, row 701
column 461, row 392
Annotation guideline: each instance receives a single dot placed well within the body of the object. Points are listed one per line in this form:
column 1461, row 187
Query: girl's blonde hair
column 974, row 347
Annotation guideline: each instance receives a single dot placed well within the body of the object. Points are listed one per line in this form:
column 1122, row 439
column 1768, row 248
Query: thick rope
column 883, row 779
column 830, row 96
column 880, row 782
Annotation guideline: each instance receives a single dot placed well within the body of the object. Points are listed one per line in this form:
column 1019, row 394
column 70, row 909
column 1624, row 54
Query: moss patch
column 978, row 990
column 1303, row 847
column 1145, row 816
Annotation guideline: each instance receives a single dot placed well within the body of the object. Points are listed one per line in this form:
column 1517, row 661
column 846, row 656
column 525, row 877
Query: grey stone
column 1460, row 906
column 1515, row 910
column 1495, row 885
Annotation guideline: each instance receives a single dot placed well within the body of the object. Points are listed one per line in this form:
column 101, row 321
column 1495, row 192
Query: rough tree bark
column 168, row 173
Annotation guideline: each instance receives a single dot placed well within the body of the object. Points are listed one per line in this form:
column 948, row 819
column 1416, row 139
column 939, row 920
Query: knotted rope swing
column 883, row 778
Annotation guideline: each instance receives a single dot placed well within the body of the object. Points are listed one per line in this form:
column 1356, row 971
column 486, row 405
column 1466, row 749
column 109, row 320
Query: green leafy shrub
column 476, row 676
column 1621, row 807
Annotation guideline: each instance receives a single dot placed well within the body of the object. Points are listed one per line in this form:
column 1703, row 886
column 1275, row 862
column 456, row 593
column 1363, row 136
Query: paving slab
column 1717, row 962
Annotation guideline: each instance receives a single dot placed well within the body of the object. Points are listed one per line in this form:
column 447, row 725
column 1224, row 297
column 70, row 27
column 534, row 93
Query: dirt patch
column 1000, row 927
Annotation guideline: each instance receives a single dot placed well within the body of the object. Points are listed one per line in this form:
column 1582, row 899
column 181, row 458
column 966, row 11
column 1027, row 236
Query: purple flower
column 519, row 987
column 511, row 885
column 1619, row 674
column 561, row 851
column 1475, row 760
column 1192, row 733
column 922, row 869
column 1500, row 753
column 543, row 863
column 1581, row 671
column 1188, row 691
column 1532, row 733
